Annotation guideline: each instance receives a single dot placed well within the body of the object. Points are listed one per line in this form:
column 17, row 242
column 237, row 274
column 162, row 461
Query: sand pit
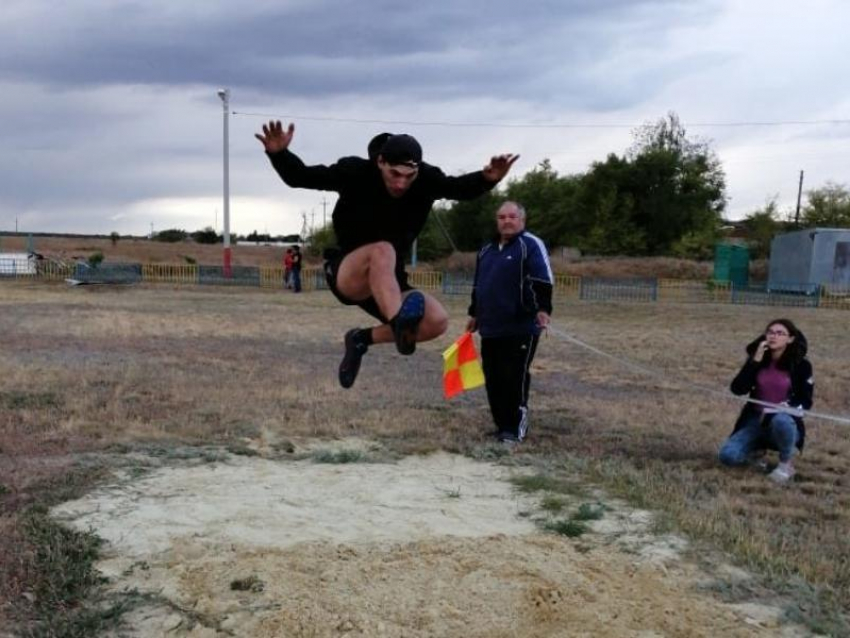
column 438, row 546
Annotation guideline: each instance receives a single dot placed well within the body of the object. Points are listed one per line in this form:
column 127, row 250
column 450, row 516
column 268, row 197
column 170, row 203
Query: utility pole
column 799, row 195
column 324, row 212
column 224, row 95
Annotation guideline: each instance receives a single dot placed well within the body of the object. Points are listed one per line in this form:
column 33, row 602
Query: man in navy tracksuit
column 511, row 304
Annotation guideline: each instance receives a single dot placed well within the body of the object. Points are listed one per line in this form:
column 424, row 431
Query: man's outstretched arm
column 292, row 170
column 472, row 185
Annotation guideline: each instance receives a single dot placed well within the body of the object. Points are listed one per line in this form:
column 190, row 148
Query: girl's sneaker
column 782, row 473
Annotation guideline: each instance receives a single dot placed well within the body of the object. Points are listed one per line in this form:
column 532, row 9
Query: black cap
column 402, row 149
column 377, row 144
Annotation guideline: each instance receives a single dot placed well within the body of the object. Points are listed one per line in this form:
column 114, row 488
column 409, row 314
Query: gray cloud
column 330, row 48
column 108, row 106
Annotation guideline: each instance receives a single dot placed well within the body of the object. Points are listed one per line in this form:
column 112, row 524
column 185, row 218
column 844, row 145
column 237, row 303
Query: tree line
column 665, row 196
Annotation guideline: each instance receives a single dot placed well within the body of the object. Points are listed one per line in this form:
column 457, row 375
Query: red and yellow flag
column 461, row 369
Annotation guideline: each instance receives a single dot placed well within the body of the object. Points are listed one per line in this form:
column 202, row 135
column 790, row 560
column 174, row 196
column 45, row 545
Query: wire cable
column 530, row 125
column 726, row 395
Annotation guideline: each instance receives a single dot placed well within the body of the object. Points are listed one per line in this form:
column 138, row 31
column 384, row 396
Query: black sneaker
column 355, row 348
column 509, row 440
column 406, row 323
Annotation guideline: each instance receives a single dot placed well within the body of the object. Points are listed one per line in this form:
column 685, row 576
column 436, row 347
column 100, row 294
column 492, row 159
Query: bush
column 206, row 236
column 171, row 235
column 322, row 238
column 95, row 259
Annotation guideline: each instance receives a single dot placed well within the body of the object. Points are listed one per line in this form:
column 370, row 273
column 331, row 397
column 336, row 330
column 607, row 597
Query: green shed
column 732, row 263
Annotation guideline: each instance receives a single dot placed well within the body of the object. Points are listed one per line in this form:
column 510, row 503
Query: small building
column 804, row 260
column 14, row 264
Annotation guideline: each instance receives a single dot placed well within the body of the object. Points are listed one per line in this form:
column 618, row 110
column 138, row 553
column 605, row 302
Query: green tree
column 322, row 238
column 171, row 235
column 762, row 226
column 433, row 241
column 114, row 237
column 828, row 206
column 206, row 236
column 470, row 223
column 678, row 184
column 548, row 200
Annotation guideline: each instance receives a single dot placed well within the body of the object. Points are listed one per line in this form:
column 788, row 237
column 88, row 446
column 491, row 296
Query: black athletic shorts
column 333, row 257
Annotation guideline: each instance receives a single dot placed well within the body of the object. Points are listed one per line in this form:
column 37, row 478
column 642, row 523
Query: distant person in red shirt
column 296, row 268
column 287, row 268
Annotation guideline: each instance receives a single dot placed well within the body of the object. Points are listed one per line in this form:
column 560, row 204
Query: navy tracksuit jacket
column 513, row 282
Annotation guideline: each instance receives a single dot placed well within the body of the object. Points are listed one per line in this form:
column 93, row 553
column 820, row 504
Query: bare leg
column 369, row 271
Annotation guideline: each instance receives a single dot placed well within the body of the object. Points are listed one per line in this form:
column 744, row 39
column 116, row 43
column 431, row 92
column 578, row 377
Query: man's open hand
column 274, row 138
column 499, row 166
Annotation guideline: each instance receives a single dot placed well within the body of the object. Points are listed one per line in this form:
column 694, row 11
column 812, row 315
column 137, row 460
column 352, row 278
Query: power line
column 529, row 125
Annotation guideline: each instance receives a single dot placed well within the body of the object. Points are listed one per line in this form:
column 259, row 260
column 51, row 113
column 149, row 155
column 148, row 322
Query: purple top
column 772, row 384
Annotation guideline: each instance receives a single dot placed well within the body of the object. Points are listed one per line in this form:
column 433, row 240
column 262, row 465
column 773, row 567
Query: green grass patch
column 339, row 456
column 16, row 400
column 552, row 504
column 566, row 527
column 589, row 512
column 539, row 483
column 61, row 581
column 242, row 450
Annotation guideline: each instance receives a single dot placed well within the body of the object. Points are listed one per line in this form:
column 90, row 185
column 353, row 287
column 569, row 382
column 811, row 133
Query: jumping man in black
column 382, row 207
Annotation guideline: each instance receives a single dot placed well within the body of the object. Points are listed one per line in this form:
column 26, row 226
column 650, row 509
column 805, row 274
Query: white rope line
column 726, row 395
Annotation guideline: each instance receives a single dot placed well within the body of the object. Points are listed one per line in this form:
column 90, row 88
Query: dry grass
column 145, row 251
column 148, row 252
column 91, row 373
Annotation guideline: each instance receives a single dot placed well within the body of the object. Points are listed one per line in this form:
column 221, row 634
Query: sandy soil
column 438, row 546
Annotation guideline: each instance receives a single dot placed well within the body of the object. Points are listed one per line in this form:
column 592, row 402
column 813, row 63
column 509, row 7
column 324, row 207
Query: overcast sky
column 110, row 121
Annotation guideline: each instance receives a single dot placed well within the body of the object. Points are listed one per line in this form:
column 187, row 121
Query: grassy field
column 145, row 251
column 94, row 373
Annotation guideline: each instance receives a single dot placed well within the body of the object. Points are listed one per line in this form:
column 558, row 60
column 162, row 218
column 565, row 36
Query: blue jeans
column 296, row 280
column 780, row 435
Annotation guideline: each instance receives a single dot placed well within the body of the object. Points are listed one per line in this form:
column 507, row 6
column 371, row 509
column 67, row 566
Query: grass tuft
column 339, row 456
column 589, row 512
column 539, row 483
column 16, row 400
column 250, row 583
column 566, row 527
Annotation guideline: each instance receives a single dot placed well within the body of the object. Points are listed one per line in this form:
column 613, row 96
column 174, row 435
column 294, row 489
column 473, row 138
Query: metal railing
column 566, row 287
column 170, row 273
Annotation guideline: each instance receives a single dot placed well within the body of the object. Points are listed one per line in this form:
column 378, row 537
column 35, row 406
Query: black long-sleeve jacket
column 365, row 211
column 802, row 386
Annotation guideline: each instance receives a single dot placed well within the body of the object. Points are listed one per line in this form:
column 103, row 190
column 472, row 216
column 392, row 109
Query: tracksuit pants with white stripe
column 506, row 362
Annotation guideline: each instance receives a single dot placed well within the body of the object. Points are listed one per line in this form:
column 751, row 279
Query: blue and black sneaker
column 405, row 324
column 355, row 348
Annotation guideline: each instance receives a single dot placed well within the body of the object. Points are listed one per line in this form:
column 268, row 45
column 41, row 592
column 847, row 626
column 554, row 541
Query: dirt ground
column 438, row 545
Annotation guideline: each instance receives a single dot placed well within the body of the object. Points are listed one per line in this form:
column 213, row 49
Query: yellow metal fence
column 170, row 273
column 566, row 287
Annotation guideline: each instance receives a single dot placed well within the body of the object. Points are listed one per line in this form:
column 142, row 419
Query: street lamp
column 224, row 94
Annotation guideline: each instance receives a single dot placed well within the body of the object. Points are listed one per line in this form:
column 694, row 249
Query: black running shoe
column 355, row 348
column 406, row 323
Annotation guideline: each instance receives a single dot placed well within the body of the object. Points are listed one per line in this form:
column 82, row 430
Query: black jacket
column 365, row 211
column 802, row 385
